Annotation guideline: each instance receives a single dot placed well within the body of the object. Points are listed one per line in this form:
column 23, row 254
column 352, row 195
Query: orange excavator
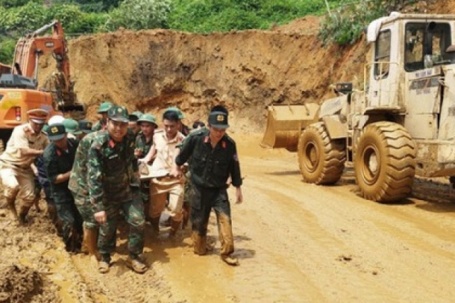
column 19, row 90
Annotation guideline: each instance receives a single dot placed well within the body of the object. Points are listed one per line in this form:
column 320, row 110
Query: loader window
column 382, row 55
column 425, row 45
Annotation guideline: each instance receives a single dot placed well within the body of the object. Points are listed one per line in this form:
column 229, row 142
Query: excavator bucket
column 285, row 123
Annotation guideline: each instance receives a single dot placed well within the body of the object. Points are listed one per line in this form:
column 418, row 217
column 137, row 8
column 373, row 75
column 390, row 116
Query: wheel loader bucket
column 285, row 123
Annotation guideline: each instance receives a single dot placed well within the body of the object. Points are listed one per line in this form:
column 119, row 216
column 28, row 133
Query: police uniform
column 210, row 169
column 113, row 182
column 59, row 161
column 164, row 188
column 15, row 166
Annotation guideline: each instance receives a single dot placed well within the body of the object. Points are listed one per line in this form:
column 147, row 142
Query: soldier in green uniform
column 133, row 125
column 212, row 158
column 78, row 185
column 144, row 141
column 58, row 160
column 113, row 182
column 102, row 111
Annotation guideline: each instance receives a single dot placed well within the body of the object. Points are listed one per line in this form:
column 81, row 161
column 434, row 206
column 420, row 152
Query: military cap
column 56, row 131
column 177, row 110
column 149, row 118
column 135, row 116
column 104, row 107
column 56, row 119
column 218, row 120
column 85, row 126
column 38, row 115
column 71, row 126
column 118, row 113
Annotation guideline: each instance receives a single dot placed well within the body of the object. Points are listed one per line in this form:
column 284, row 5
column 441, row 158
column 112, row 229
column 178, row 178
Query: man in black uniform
column 213, row 159
column 58, row 161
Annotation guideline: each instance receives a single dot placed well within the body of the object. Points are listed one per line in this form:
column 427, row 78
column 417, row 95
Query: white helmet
column 55, row 119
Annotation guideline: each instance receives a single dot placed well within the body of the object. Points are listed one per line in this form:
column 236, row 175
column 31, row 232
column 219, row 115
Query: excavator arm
column 26, row 57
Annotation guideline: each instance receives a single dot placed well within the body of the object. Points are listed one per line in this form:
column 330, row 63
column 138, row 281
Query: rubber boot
column 23, row 212
column 11, row 204
column 199, row 243
column 155, row 223
column 90, row 241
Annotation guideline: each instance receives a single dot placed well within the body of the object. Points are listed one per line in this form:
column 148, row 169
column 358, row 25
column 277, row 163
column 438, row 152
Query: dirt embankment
column 245, row 70
column 296, row 242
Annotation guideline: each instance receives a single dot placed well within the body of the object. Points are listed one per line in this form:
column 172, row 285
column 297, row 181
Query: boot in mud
column 90, row 241
column 199, row 243
column 23, row 212
column 11, row 205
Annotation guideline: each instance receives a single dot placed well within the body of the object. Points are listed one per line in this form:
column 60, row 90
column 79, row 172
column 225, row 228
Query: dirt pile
column 19, row 284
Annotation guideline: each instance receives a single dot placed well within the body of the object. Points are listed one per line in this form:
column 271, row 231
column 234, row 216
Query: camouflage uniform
column 210, row 169
column 78, row 182
column 57, row 161
column 113, row 184
column 99, row 125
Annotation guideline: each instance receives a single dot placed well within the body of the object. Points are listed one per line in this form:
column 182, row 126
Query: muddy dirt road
column 296, row 243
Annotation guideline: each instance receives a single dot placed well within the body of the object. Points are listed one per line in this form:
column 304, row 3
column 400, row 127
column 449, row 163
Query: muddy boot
column 155, row 223
column 23, row 212
column 90, row 241
column 11, row 204
column 174, row 228
column 199, row 243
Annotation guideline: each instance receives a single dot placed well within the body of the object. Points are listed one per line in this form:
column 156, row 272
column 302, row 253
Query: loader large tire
column 384, row 162
column 2, row 146
column 321, row 160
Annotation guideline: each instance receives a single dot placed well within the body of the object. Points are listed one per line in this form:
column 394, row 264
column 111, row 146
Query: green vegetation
column 345, row 24
column 344, row 21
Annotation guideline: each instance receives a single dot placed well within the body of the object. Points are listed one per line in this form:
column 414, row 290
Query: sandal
column 137, row 266
column 103, row 267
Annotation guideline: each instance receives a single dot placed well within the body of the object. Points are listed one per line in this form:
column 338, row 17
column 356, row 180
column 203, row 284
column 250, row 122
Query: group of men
column 125, row 165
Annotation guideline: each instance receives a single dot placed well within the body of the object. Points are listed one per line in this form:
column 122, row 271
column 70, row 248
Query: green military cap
column 118, row 113
column 147, row 118
column 177, row 110
column 134, row 116
column 218, row 120
column 104, row 107
column 85, row 126
column 71, row 126
column 56, row 132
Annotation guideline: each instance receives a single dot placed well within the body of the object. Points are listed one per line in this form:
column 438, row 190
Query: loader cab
column 411, row 56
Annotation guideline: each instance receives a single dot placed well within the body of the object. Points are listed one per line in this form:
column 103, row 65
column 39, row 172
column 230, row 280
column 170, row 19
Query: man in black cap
column 113, row 185
column 212, row 158
column 58, row 161
column 26, row 143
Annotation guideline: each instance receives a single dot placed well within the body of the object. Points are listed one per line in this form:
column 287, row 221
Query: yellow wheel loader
column 402, row 124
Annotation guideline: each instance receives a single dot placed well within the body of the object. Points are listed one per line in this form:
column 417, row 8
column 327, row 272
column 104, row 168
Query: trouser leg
column 11, row 189
column 200, row 214
column 134, row 215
